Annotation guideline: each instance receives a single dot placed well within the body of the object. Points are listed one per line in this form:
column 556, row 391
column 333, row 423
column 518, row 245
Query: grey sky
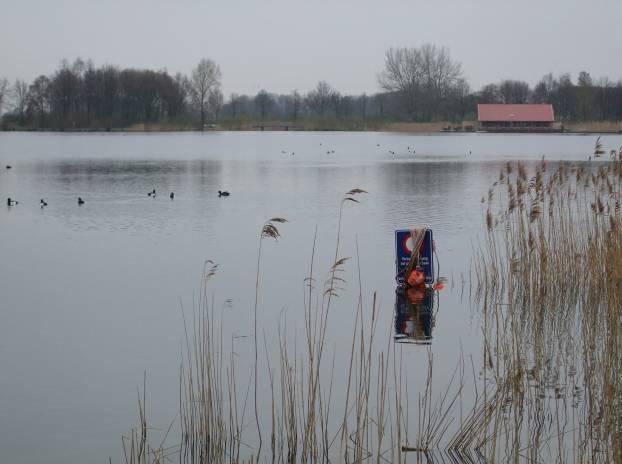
column 285, row 44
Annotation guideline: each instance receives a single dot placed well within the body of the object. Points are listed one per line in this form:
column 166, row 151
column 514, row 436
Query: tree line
column 417, row 84
column 82, row 96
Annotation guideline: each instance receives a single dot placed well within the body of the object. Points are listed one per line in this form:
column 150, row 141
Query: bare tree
column 545, row 89
column 20, row 98
column 584, row 79
column 380, row 100
column 403, row 74
column 205, row 79
column 489, row 94
column 458, row 102
column 180, row 89
column 4, row 83
column 566, row 104
column 319, row 99
column 342, row 105
column 296, row 102
column 64, row 94
column 585, row 96
column 39, row 98
column 441, row 74
column 516, row 92
column 234, row 104
column 215, row 101
column 361, row 105
column 421, row 76
column 263, row 102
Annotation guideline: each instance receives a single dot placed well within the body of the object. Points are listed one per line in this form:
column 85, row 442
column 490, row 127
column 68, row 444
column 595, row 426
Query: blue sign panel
column 403, row 249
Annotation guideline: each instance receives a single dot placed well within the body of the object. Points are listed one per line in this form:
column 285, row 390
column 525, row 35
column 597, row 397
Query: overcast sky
column 281, row 45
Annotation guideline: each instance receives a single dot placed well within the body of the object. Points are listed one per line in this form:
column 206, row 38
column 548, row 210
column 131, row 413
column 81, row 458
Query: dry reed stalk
column 269, row 230
column 556, row 266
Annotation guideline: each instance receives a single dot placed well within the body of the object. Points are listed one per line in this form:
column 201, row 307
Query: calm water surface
column 91, row 296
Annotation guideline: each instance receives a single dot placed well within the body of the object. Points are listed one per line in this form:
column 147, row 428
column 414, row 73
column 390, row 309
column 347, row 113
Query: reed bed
column 284, row 410
column 549, row 281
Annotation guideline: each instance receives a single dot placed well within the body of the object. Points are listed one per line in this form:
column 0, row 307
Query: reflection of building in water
column 414, row 315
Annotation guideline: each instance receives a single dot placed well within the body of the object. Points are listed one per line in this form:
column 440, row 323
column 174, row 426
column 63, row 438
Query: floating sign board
column 403, row 250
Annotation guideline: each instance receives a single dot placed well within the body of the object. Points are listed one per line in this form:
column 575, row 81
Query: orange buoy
column 416, row 278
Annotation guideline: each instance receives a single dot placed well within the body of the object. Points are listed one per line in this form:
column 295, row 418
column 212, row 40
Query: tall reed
column 549, row 283
column 298, row 412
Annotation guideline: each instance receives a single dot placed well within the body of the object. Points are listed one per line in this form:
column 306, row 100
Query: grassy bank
column 310, row 124
column 594, row 127
column 374, row 125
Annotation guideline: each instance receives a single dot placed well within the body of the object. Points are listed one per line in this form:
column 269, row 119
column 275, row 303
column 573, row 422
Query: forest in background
column 423, row 85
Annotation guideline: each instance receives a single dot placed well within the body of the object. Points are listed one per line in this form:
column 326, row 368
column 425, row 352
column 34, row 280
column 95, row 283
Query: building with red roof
column 516, row 118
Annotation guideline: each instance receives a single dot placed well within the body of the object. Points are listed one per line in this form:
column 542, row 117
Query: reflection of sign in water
column 414, row 315
column 403, row 250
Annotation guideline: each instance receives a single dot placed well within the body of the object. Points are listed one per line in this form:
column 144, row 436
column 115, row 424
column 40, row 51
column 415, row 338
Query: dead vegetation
column 549, row 281
column 547, row 288
column 300, row 422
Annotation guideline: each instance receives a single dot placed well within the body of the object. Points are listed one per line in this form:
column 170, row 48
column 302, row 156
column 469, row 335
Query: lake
column 91, row 296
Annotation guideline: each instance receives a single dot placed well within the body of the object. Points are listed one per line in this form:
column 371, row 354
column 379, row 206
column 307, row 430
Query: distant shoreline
column 467, row 127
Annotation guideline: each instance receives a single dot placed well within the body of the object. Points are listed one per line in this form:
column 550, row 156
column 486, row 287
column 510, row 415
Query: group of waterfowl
column 410, row 150
column 43, row 203
column 152, row 194
column 11, row 202
column 292, row 153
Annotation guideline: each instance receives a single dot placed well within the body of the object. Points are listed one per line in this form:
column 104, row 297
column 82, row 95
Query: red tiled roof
column 526, row 113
